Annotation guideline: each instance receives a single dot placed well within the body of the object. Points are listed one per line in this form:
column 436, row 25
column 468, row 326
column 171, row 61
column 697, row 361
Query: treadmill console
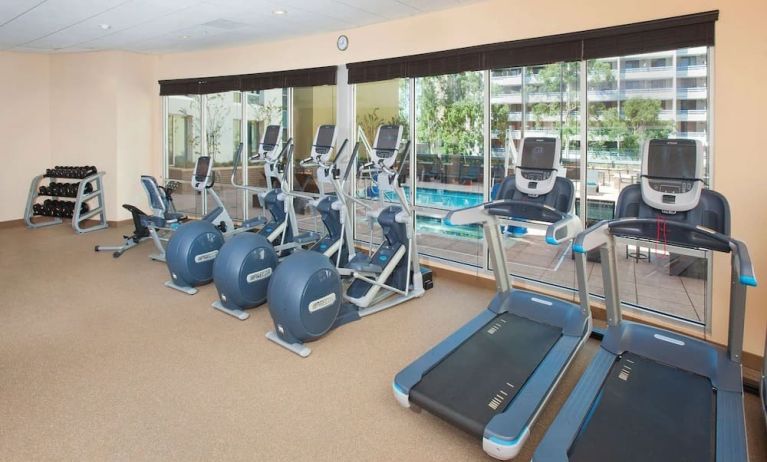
column 388, row 139
column 537, row 169
column 203, row 173
column 671, row 174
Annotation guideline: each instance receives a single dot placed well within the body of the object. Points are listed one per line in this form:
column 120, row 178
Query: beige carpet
column 99, row 361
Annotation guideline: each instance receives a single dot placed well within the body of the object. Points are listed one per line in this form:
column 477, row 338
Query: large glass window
column 450, row 161
column 312, row 107
column 223, row 121
column 666, row 96
column 377, row 103
column 525, row 102
column 262, row 108
column 184, row 147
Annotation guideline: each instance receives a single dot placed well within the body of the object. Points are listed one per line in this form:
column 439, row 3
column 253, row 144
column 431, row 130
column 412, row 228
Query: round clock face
column 343, row 42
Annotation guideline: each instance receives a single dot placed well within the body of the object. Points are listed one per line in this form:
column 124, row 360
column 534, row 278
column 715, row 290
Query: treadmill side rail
column 731, row 440
column 508, row 431
column 562, row 432
column 408, row 377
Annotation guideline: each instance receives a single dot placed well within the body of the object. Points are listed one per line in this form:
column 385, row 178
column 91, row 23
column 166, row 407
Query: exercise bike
column 244, row 265
column 157, row 226
column 306, row 293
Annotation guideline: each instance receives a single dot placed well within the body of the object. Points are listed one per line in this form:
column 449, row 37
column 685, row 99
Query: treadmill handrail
column 599, row 236
column 482, row 213
column 745, row 267
column 497, row 207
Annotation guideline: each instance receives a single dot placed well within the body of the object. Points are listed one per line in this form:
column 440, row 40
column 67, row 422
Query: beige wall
column 24, row 127
column 104, row 106
column 739, row 70
column 97, row 109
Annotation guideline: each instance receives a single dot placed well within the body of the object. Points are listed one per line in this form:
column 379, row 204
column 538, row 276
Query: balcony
column 641, row 73
column 698, row 70
column 691, row 135
column 692, row 115
column 692, row 93
column 666, row 114
column 653, row 93
column 506, row 98
column 507, row 80
column 515, row 116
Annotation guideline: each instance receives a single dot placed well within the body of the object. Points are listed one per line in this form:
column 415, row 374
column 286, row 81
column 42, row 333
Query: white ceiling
column 162, row 26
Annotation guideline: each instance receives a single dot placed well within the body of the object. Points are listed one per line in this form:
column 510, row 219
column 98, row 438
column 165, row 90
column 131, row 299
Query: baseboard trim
column 11, row 223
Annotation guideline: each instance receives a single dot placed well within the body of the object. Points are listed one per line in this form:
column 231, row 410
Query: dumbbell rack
column 78, row 218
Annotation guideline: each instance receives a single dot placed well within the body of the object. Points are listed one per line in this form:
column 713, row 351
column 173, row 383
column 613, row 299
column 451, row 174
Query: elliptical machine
column 194, row 246
column 306, row 296
column 243, row 268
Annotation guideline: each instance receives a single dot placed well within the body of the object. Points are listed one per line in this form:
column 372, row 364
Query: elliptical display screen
column 271, row 135
column 203, row 164
column 386, row 145
column 325, row 136
column 671, row 160
column 538, row 153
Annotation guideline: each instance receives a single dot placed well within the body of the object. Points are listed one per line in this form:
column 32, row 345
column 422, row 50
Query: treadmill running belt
column 647, row 411
column 481, row 377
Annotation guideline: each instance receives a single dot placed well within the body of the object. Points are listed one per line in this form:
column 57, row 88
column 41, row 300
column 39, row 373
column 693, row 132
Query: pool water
column 448, row 199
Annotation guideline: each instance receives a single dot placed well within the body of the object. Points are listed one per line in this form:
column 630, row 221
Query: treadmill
column 493, row 376
column 651, row 394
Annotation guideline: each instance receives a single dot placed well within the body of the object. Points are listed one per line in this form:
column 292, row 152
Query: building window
column 651, row 276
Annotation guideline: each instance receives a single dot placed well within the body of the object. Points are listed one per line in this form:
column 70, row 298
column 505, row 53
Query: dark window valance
column 250, row 82
column 643, row 37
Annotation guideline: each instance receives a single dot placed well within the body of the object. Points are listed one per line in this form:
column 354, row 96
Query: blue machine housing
column 395, row 236
column 276, row 208
column 318, row 299
column 332, row 220
column 242, row 271
column 191, row 252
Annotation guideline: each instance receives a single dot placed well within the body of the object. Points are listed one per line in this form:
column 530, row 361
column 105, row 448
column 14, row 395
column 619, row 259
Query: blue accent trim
column 398, row 388
column 551, row 240
column 500, row 442
column 577, row 248
column 748, row 281
column 447, row 221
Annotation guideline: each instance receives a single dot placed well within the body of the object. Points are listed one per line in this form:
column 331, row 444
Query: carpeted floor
column 99, row 361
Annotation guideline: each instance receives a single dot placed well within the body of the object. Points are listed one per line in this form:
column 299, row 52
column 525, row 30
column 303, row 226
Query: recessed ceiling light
column 184, row 37
column 105, row 26
column 279, row 12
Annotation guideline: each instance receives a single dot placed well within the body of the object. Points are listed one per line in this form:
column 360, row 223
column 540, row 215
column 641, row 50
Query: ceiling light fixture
column 184, row 37
column 105, row 26
column 279, row 12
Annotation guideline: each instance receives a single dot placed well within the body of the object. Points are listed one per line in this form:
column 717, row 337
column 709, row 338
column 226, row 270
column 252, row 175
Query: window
column 263, row 108
column 312, row 107
column 549, row 105
column 377, row 103
column 223, row 114
column 650, row 275
column 450, row 161
column 184, row 147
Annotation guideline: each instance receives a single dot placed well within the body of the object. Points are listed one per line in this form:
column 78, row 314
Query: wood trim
column 641, row 37
column 11, row 223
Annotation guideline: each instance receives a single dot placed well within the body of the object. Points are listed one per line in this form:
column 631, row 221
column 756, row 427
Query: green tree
column 450, row 113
